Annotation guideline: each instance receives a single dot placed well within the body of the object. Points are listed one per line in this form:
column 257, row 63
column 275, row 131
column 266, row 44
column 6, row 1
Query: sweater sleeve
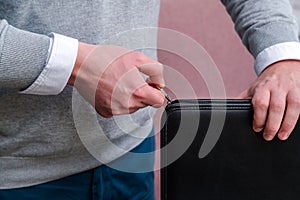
column 263, row 23
column 22, row 57
column 58, row 68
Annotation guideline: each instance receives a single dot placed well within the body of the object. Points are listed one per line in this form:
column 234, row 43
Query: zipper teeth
column 208, row 108
column 192, row 105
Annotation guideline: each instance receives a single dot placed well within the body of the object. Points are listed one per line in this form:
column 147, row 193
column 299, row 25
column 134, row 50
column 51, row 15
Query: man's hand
column 276, row 99
column 109, row 78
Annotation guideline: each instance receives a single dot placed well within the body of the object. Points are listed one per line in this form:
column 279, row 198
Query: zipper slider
column 169, row 99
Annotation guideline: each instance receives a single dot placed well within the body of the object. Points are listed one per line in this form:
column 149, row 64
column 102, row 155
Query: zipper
column 209, row 104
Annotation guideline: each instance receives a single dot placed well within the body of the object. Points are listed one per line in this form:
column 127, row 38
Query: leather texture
column 241, row 165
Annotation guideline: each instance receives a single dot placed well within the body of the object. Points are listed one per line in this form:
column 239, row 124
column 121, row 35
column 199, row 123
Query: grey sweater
column 296, row 9
column 38, row 138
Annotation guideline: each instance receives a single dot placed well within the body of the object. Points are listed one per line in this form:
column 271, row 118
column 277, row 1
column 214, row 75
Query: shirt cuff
column 275, row 53
column 59, row 65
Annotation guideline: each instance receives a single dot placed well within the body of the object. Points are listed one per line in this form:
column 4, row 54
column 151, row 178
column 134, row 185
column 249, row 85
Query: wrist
column 84, row 50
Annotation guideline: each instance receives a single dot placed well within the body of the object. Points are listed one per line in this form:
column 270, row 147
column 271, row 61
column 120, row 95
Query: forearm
column 23, row 57
column 264, row 23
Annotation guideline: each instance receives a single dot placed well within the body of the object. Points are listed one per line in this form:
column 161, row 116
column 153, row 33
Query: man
column 296, row 9
column 42, row 156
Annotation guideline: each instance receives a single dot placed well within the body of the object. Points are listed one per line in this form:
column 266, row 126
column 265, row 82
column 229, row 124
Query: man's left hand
column 276, row 99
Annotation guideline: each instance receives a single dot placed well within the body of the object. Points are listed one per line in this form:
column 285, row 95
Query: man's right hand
column 109, row 78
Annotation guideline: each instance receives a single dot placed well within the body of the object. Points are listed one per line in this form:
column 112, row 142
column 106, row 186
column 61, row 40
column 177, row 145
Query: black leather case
column 240, row 166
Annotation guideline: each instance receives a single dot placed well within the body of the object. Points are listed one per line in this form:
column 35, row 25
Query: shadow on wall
column 207, row 22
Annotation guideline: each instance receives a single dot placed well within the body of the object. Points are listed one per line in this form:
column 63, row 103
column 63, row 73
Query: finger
column 123, row 111
column 128, row 106
column 149, row 96
column 151, row 68
column 155, row 73
column 291, row 116
column 244, row 94
column 104, row 113
column 124, row 97
column 275, row 115
column 260, row 103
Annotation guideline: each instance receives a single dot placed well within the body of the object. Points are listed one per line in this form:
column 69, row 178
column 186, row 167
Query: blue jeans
column 101, row 183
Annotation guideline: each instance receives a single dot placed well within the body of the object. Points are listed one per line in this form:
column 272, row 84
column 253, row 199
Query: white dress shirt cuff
column 59, row 65
column 275, row 53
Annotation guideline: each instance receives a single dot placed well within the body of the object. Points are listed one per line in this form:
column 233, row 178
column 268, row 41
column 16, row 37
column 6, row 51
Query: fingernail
column 268, row 137
column 283, row 136
column 161, row 85
column 257, row 129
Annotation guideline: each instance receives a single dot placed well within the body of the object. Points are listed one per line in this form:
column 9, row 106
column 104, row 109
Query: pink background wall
column 207, row 22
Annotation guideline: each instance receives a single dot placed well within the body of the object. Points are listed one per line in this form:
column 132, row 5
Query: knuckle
column 289, row 123
column 261, row 86
column 294, row 101
column 286, row 127
column 260, row 104
column 138, row 56
column 138, row 93
column 271, row 130
column 277, row 106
